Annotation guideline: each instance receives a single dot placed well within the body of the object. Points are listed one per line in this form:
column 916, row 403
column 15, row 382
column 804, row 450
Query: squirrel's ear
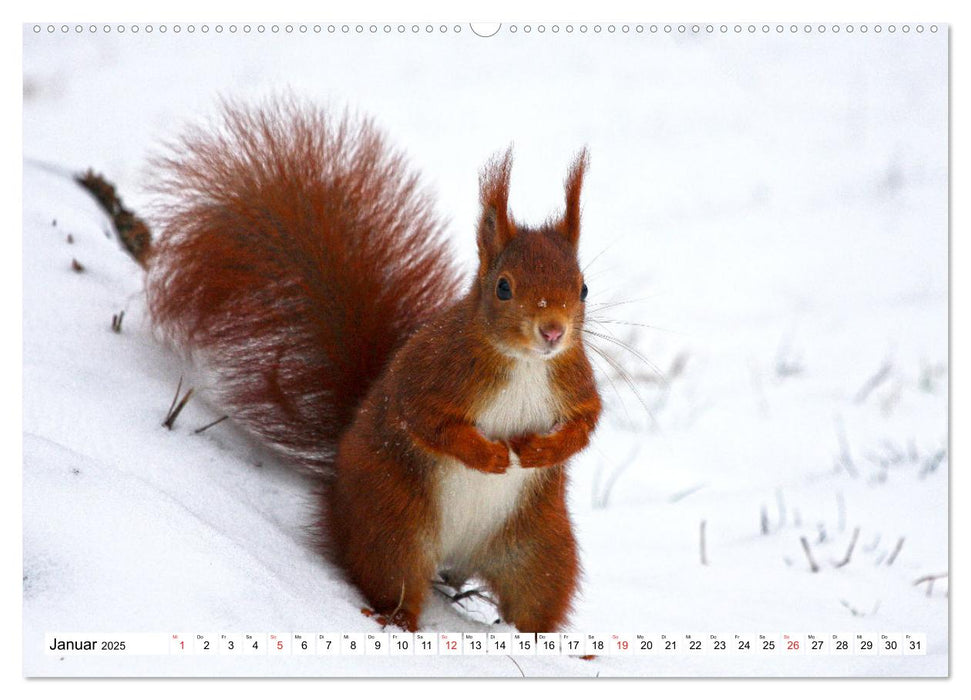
column 496, row 228
column 570, row 225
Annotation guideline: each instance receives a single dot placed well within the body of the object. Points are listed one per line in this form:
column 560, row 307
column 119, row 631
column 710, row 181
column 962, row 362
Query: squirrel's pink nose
column 551, row 332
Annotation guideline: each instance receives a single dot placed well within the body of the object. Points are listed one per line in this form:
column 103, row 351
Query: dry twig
column 845, row 460
column 849, row 551
column 873, row 382
column 209, row 425
column 929, row 580
column 931, row 464
column 813, row 566
column 704, row 550
column 177, row 405
column 895, row 552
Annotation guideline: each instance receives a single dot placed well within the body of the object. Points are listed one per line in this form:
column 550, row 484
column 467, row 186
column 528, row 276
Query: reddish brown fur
column 297, row 253
column 494, row 198
column 290, row 234
column 570, row 225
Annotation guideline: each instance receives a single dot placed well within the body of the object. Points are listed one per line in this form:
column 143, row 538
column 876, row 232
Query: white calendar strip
column 484, row 644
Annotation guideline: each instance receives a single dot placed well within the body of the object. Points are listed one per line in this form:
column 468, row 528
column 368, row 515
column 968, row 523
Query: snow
column 771, row 209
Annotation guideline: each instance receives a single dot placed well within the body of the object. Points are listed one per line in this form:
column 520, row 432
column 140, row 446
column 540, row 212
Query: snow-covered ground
column 772, row 209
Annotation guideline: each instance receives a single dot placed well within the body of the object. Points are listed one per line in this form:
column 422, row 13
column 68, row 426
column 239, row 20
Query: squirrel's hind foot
column 404, row 619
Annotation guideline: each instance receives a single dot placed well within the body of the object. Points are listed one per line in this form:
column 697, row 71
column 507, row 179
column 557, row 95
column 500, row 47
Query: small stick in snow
column 704, row 552
column 401, row 600
column 873, row 382
column 932, row 463
column 116, row 320
column 813, row 566
column 175, row 398
column 459, row 596
column 765, row 521
column 468, row 593
column 895, row 552
column 849, row 551
column 854, row 611
column 209, row 425
column 177, row 405
column 70, row 239
column 76, row 266
column 845, row 459
column 681, row 495
column 385, row 620
column 929, row 580
column 448, row 596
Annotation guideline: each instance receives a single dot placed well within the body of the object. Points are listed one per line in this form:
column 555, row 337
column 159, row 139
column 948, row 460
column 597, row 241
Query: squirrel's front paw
column 534, row 451
column 493, row 460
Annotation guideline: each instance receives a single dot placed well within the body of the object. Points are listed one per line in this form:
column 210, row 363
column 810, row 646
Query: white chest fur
column 474, row 504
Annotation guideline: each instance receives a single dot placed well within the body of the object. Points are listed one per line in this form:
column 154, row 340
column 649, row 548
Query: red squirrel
column 300, row 261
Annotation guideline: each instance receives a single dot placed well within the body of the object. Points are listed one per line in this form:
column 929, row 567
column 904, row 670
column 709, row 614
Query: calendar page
column 744, row 226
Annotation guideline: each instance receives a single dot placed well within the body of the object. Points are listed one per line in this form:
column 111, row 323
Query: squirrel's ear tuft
column 570, row 225
column 496, row 228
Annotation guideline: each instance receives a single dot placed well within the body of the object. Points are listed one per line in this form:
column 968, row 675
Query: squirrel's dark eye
column 503, row 290
column 583, row 292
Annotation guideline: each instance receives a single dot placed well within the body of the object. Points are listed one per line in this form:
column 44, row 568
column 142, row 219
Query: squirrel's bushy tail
column 295, row 254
